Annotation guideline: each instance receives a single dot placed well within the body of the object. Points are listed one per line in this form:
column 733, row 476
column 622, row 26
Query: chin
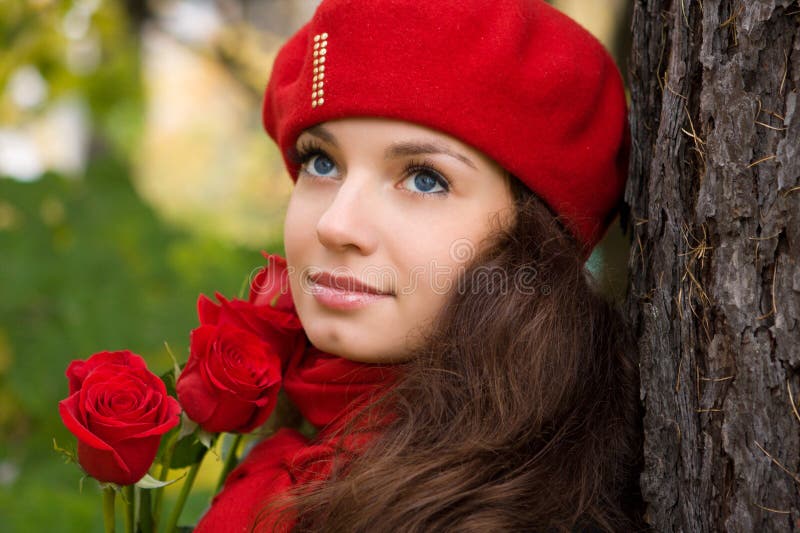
column 359, row 354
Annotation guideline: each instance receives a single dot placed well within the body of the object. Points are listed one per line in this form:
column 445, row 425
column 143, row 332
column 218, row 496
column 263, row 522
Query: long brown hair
column 518, row 413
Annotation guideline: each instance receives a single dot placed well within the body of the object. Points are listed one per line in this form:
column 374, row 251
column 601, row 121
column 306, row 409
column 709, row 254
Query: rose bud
column 271, row 285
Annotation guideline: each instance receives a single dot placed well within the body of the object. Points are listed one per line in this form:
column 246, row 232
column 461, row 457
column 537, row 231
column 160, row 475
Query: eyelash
column 306, row 151
column 309, row 149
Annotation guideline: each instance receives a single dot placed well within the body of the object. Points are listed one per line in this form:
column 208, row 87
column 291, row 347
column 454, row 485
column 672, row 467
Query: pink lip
column 344, row 283
column 343, row 292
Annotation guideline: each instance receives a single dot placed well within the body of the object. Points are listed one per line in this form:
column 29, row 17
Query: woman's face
column 399, row 208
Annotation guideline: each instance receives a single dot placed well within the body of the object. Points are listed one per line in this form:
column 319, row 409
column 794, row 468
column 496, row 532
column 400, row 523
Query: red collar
column 324, row 386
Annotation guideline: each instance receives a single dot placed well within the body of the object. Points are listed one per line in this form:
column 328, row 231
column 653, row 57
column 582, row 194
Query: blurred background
column 134, row 175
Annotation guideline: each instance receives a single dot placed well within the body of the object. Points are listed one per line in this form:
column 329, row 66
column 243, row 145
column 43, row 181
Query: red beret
column 516, row 79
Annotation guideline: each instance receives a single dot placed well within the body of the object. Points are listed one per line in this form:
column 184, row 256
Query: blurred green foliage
column 85, row 264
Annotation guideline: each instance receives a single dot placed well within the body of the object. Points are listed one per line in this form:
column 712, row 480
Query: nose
column 348, row 221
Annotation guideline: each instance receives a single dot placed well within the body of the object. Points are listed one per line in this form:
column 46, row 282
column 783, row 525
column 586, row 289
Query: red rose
column 233, row 375
column 231, row 380
column 118, row 410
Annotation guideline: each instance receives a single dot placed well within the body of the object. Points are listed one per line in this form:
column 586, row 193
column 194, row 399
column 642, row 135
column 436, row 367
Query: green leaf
column 170, row 377
column 176, row 368
column 169, row 380
column 149, row 482
column 188, row 451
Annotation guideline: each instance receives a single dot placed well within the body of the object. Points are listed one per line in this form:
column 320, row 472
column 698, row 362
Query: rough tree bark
column 714, row 202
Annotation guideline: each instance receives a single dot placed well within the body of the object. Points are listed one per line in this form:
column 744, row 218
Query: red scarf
column 327, row 390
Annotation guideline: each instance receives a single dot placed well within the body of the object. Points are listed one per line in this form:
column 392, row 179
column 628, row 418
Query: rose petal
column 195, row 394
column 77, row 371
column 271, row 281
column 170, row 420
column 264, row 407
column 114, row 433
column 127, row 465
column 238, row 313
column 111, row 381
column 238, row 360
column 71, row 416
column 104, row 465
column 230, row 414
column 207, row 311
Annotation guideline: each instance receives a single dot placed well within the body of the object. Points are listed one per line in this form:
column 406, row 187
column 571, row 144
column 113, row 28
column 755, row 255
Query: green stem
column 230, row 462
column 187, row 486
column 145, row 512
column 130, row 507
column 162, row 476
column 108, row 509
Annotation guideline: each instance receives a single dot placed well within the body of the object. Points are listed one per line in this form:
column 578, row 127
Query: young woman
column 455, row 162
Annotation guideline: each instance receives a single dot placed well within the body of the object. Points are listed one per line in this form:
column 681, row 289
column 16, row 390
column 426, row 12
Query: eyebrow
column 399, row 149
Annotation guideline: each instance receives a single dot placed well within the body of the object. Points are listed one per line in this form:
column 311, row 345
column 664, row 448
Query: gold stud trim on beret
column 319, row 52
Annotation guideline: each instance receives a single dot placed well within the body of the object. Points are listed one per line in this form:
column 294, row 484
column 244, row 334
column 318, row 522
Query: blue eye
column 319, row 165
column 425, row 181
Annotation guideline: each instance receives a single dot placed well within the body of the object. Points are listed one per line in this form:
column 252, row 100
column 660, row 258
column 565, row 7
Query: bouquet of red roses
column 132, row 426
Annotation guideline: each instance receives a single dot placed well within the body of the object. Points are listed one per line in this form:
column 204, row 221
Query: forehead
column 405, row 137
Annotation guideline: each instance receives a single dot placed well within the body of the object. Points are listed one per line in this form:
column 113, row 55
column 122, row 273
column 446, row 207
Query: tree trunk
column 714, row 200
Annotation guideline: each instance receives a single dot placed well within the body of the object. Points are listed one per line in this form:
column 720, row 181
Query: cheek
column 420, row 301
column 299, row 228
column 437, row 261
column 298, row 236
column 431, row 273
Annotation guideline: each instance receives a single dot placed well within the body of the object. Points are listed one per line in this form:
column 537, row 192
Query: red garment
column 327, row 390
